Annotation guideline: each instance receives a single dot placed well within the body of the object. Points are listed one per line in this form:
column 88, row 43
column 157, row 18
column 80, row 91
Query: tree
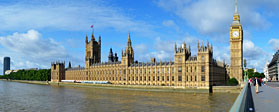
column 39, row 75
column 232, row 82
column 250, row 73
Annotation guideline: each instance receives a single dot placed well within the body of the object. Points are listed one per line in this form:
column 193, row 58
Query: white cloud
column 66, row 15
column 31, row 44
column 274, row 44
column 140, row 51
column 214, row 16
column 250, row 51
column 221, row 53
column 256, row 57
column 171, row 24
column 164, row 49
column 31, row 50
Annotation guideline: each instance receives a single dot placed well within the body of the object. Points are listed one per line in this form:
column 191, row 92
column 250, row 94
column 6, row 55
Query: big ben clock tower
column 236, row 44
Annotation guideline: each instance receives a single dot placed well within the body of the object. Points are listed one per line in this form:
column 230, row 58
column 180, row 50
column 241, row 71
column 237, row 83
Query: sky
column 35, row 33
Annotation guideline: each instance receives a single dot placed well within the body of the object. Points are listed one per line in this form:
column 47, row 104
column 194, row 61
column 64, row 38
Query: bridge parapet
column 244, row 101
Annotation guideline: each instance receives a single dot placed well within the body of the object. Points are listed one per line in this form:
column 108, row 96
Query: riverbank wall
column 30, row 82
column 216, row 89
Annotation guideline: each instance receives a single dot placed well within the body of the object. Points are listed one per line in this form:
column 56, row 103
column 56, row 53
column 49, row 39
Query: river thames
column 18, row 97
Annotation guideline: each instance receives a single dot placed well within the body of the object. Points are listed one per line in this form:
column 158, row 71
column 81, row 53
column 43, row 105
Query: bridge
column 266, row 100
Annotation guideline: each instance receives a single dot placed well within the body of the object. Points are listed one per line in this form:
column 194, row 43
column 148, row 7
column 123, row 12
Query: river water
column 22, row 97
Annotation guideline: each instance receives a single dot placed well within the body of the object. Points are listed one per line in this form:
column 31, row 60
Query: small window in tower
column 191, row 78
column 202, row 78
column 168, row 70
column 168, row 78
column 202, row 69
column 179, row 78
column 191, row 69
column 202, row 58
column 179, row 59
column 179, row 68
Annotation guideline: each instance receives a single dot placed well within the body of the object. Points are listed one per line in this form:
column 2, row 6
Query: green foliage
column 232, row 82
column 38, row 75
column 259, row 75
column 251, row 74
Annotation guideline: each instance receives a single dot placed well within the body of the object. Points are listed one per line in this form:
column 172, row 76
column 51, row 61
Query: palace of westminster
column 187, row 70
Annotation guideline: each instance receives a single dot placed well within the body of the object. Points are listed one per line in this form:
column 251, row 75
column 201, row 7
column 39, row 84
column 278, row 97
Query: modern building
column 6, row 64
column 273, row 67
column 236, row 47
column 188, row 70
column 266, row 71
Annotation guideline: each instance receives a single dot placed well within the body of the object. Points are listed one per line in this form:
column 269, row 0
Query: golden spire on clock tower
column 236, row 15
column 235, row 6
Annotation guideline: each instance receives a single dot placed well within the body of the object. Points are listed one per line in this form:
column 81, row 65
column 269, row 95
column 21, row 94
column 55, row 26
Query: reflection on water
column 31, row 97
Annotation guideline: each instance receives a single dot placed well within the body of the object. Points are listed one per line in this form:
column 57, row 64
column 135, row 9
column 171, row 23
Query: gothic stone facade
column 186, row 70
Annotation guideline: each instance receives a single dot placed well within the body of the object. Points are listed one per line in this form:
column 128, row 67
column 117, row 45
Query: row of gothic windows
column 188, row 69
column 192, row 78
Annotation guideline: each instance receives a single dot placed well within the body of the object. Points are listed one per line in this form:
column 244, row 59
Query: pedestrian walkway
column 267, row 100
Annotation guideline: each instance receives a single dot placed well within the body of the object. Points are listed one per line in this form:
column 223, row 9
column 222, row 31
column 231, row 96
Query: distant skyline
column 32, row 31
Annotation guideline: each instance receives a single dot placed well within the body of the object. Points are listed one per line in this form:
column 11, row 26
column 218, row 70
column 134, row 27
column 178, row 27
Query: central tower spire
column 235, row 7
column 129, row 41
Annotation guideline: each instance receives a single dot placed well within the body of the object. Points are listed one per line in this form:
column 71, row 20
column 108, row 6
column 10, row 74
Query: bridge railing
column 240, row 102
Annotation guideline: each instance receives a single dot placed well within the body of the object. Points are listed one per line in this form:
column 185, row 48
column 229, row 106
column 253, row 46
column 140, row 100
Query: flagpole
column 92, row 26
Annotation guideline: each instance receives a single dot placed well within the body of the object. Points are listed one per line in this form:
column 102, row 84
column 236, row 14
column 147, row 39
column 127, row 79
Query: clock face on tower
column 235, row 34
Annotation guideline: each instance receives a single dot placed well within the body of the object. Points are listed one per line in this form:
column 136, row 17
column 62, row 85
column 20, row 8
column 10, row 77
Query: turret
column 198, row 46
column 86, row 39
column 207, row 45
column 175, row 49
column 57, row 71
column 110, row 57
column 184, row 46
column 128, row 57
column 115, row 58
column 211, row 48
column 70, row 66
column 99, row 42
column 189, row 49
column 92, row 37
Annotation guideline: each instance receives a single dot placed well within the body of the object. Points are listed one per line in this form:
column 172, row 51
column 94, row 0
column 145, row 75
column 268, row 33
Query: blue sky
column 34, row 33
